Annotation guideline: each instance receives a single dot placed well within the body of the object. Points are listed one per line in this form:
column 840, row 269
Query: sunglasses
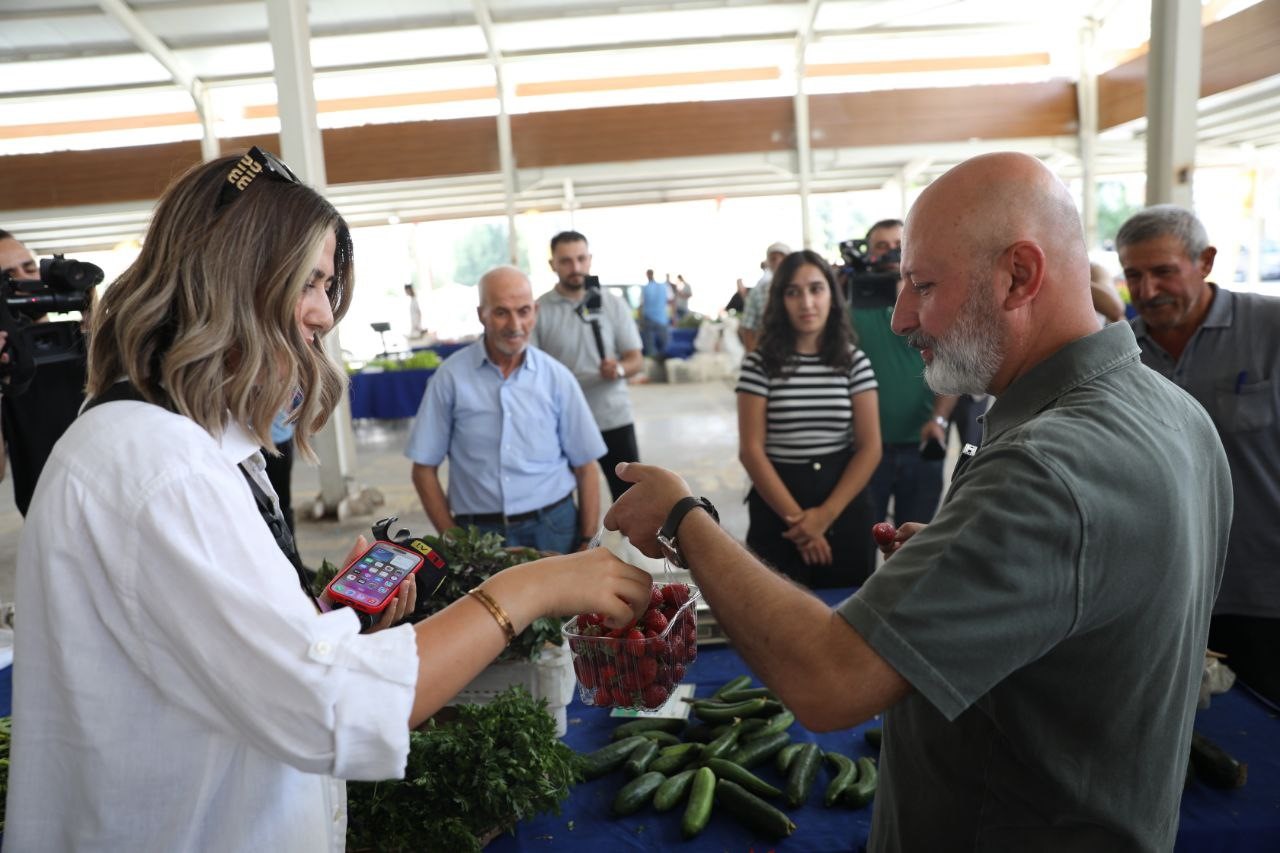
column 249, row 168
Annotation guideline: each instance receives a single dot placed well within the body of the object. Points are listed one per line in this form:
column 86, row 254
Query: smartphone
column 371, row 580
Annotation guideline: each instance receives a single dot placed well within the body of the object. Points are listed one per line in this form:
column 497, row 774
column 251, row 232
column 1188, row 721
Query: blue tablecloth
column 1246, row 820
column 389, row 394
column 680, row 343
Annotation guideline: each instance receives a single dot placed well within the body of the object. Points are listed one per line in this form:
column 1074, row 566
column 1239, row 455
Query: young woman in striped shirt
column 809, row 431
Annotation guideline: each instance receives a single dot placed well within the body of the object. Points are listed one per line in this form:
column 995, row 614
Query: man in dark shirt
column 33, row 421
column 1036, row 650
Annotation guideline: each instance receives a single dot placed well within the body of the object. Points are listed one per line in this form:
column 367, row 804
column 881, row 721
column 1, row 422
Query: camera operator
column 594, row 335
column 912, row 417
column 32, row 421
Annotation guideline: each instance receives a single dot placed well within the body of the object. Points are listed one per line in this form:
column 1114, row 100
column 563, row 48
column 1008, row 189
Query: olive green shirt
column 906, row 402
column 1052, row 619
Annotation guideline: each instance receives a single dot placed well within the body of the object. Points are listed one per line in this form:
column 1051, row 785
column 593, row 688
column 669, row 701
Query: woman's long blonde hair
column 204, row 319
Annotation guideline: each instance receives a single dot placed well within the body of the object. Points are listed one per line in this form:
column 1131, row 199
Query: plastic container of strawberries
column 636, row 666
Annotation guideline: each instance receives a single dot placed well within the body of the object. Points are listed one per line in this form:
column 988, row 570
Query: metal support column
column 804, row 148
column 303, row 149
column 1087, row 132
column 506, row 153
column 1173, row 89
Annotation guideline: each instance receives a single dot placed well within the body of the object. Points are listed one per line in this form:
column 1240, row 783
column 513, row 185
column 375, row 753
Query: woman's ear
column 1024, row 262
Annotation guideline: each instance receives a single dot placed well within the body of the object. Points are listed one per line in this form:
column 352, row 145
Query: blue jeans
column 915, row 484
column 554, row 529
column 654, row 337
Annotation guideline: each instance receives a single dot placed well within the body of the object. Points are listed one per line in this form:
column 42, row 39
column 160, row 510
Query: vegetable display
column 493, row 765
column 710, row 770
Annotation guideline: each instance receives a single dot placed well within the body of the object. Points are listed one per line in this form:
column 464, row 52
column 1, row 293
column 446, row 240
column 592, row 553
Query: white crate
column 549, row 676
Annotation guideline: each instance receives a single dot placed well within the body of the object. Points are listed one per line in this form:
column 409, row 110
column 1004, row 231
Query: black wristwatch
column 667, row 533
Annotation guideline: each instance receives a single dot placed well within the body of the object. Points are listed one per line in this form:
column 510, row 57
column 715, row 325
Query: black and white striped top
column 810, row 412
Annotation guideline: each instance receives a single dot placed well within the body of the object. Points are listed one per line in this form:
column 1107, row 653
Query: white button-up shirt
column 174, row 689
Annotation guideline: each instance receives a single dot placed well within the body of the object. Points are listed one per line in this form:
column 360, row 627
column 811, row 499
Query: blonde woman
column 175, row 688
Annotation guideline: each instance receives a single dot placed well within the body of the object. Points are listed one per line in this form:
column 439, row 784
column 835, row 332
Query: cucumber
column 746, row 693
column 741, row 682
column 801, row 774
column 743, row 726
column 873, row 737
column 641, row 757
column 753, row 753
column 672, row 791
column 647, row 724
column 636, row 793
column 846, row 773
column 779, row 722
column 606, row 759
column 1214, row 765
column 660, row 737
column 672, row 758
column 698, row 811
column 721, row 712
column 721, row 746
column 744, row 777
column 753, row 811
column 860, row 792
column 782, row 760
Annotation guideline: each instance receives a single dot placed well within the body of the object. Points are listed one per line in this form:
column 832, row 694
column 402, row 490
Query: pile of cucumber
column 708, row 763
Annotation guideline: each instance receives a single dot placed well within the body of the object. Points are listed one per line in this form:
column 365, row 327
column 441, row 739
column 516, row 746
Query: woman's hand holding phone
column 399, row 607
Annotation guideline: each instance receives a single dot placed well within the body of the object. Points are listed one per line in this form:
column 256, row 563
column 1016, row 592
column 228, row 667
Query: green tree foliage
column 483, row 248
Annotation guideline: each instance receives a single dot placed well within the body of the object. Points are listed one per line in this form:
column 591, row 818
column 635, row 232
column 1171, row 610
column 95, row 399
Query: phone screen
column 374, row 578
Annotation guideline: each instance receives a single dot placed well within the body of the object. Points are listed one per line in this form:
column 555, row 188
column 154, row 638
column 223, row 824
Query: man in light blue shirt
column 516, row 429
column 655, row 320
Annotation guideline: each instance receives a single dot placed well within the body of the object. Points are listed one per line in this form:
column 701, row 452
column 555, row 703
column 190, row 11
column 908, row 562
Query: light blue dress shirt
column 654, row 300
column 510, row 442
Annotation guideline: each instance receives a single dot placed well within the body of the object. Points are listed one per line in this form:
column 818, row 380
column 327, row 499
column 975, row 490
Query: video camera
column 64, row 285
column 867, row 283
column 590, row 309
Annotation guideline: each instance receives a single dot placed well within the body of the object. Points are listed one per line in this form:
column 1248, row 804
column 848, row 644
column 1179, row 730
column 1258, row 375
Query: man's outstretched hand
column 643, row 508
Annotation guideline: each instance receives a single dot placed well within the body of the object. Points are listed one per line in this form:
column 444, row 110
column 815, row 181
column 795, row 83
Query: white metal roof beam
column 506, row 151
column 172, row 63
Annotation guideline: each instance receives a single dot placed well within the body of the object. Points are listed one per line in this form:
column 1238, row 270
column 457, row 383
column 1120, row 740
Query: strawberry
column 655, row 621
column 655, row 597
column 647, row 670
column 884, row 533
column 635, row 642
column 676, row 593
column 654, row 695
column 602, row 696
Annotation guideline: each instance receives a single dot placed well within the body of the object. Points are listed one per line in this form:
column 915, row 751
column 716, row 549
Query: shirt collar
column 236, row 442
column 481, row 357
column 1071, row 366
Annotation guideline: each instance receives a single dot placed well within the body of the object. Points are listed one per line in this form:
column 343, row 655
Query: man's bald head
column 1005, row 224
column 507, row 311
column 502, row 280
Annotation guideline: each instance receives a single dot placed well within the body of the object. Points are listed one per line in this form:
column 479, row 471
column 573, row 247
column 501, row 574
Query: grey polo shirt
column 563, row 335
column 1232, row 366
column 1052, row 619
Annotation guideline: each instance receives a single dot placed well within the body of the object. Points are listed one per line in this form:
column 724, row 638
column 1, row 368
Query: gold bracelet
column 499, row 615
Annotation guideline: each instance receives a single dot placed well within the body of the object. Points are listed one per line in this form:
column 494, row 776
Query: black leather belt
column 497, row 518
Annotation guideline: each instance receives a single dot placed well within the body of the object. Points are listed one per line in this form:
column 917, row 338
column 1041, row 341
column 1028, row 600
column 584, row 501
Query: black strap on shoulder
column 271, row 516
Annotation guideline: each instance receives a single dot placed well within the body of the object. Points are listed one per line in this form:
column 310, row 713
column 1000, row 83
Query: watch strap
column 680, row 510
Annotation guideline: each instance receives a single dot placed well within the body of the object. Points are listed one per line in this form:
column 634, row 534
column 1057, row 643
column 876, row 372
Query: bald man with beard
column 1035, row 650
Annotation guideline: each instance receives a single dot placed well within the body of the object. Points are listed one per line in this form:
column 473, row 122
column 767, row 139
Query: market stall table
column 1246, row 820
column 388, row 394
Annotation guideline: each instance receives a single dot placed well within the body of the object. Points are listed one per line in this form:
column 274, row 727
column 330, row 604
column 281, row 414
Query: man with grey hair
column 1222, row 348
column 515, row 427
column 1054, row 613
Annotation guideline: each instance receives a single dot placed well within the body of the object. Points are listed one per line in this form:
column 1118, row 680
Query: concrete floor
column 689, row 428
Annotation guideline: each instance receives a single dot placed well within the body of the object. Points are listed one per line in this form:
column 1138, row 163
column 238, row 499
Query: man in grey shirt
column 594, row 335
column 1223, row 348
column 1036, row 650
